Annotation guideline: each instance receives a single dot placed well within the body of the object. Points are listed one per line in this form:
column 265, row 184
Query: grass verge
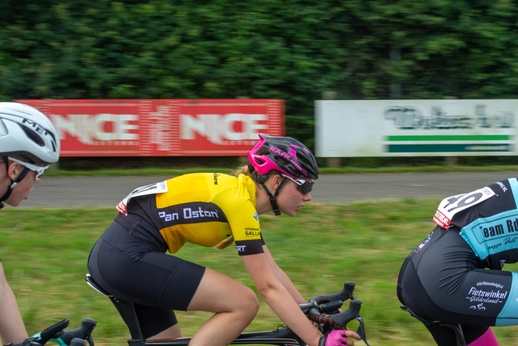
column 44, row 254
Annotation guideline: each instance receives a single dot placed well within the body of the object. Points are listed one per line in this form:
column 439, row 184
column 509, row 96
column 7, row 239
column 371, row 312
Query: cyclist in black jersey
column 455, row 275
column 28, row 144
column 207, row 209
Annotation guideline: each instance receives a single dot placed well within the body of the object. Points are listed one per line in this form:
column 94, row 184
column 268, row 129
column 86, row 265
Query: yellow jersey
column 208, row 209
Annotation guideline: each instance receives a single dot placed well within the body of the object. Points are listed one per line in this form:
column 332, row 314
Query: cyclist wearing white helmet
column 210, row 209
column 28, row 143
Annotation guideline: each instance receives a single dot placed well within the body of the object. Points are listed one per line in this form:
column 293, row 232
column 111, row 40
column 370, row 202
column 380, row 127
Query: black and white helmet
column 26, row 131
column 285, row 155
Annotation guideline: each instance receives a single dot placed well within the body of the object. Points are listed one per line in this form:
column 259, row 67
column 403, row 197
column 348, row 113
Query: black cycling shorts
column 132, row 270
column 443, row 280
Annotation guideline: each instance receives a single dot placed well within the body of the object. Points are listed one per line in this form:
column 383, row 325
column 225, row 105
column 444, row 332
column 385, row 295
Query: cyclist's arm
column 283, row 278
column 12, row 328
column 279, row 298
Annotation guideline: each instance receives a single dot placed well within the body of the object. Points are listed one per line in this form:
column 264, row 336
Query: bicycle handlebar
column 345, row 294
column 83, row 333
column 57, row 333
column 323, row 310
column 47, row 334
column 77, row 342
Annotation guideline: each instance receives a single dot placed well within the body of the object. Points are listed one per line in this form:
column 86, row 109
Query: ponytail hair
column 252, row 173
column 241, row 170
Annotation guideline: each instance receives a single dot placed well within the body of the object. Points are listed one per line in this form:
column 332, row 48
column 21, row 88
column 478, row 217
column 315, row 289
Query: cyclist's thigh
column 218, row 292
column 445, row 336
column 472, row 333
column 142, row 276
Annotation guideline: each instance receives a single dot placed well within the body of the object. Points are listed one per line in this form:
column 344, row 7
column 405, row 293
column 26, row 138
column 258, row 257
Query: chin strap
column 260, row 179
column 14, row 183
column 273, row 198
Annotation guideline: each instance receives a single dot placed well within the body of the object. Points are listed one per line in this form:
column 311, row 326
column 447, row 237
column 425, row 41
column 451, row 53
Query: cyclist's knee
column 247, row 302
column 219, row 293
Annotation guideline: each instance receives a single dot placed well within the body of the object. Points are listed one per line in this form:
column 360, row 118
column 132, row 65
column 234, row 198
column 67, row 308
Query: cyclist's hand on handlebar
column 350, row 336
column 339, row 337
column 335, row 338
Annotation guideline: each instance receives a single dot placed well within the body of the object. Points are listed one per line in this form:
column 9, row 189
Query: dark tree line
column 291, row 49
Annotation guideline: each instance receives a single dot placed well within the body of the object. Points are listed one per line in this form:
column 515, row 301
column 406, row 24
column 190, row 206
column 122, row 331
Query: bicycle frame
column 282, row 336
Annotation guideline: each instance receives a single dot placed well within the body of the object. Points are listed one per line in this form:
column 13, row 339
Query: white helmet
column 26, row 131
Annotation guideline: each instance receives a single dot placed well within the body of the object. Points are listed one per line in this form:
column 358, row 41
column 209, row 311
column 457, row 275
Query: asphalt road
column 76, row 192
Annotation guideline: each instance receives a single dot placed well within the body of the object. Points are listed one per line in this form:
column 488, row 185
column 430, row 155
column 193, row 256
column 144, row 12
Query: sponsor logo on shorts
column 489, row 293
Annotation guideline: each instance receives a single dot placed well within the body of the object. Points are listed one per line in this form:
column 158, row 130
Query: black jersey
column 487, row 219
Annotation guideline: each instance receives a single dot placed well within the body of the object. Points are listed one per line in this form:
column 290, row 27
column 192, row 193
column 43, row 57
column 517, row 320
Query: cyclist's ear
column 13, row 169
column 276, row 180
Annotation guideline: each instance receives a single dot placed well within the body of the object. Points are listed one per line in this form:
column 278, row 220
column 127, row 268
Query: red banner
column 161, row 127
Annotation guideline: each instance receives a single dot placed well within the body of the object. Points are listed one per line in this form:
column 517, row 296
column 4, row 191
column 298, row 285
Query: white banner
column 415, row 128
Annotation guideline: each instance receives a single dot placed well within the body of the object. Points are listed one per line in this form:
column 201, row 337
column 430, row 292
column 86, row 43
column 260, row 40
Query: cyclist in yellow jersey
column 28, row 143
column 216, row 210
column 206, row 209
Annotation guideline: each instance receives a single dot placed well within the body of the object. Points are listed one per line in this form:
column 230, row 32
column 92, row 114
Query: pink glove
column 335, row 338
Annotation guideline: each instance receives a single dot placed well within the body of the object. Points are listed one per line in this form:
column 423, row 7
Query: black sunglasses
column 304, row 186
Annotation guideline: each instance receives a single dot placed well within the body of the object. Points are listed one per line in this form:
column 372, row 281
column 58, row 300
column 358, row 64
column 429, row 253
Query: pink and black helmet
column 285, row 155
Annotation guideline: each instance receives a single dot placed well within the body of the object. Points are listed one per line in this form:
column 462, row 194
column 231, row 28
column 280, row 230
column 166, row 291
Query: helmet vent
column 263, row 151
column 284, row 154
column 283, row 160
column 305, row 161
column 3, row 129
column 34, row 137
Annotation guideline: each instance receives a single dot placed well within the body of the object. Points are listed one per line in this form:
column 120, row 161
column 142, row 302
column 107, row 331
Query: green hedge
column 292, row 50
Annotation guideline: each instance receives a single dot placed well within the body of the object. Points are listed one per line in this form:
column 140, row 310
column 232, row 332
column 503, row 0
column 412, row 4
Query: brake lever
column 361, row 330
column 83, row 332
column 353, row 312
